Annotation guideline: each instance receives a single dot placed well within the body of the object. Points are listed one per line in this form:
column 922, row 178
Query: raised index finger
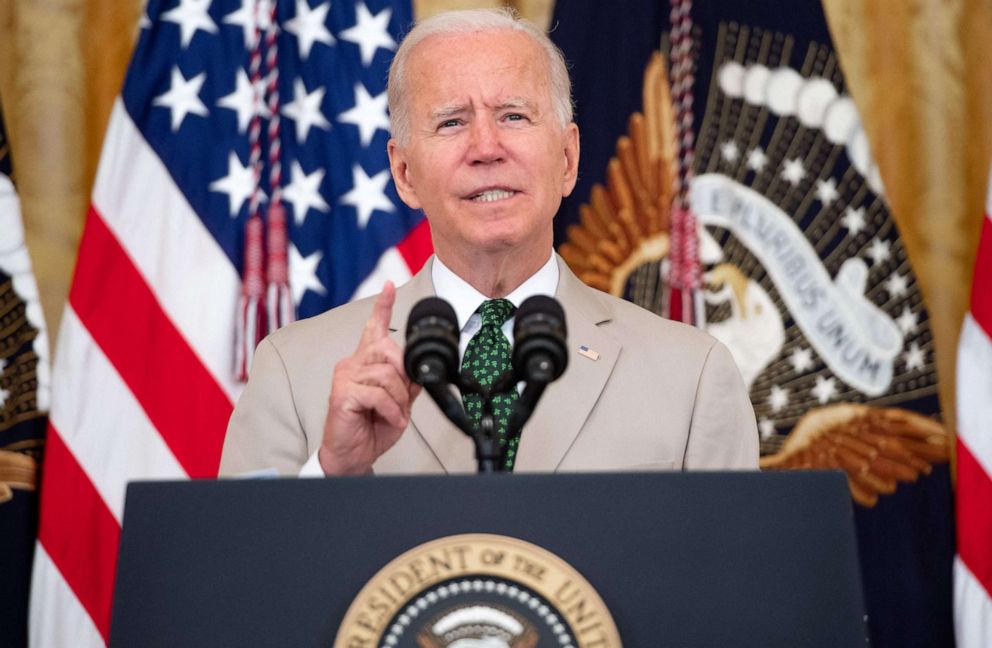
column 377, row 326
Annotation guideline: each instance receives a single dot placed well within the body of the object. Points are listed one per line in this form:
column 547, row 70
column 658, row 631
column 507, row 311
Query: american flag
column 144, row 381
column 973, row 564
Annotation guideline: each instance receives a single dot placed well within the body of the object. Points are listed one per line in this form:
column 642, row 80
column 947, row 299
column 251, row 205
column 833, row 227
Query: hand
column 370, row 399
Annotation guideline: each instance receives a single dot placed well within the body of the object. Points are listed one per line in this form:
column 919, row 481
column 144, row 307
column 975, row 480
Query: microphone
column 540, row 354
column 431, row 354
column 431, row 357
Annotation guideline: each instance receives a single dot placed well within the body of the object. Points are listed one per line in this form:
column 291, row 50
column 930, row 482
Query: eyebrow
column 517, row 103
column 446, row 112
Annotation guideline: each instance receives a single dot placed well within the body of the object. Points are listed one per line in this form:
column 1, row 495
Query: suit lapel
column 566, row 403
column 452, row 447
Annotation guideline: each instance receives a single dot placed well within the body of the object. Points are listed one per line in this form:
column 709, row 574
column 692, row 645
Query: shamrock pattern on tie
column 487, row 357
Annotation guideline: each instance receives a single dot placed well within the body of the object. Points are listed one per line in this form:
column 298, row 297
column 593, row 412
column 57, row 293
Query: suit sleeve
column 723, row 434
column 265, row 432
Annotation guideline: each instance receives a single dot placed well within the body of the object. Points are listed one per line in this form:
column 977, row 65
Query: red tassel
column 251, row 324
column 279, row 298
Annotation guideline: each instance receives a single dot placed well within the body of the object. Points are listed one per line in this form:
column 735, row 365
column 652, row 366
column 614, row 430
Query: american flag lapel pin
column 589, row 353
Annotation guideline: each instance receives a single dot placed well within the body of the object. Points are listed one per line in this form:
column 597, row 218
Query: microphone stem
column 450, row 406
column 487, row 451
column 524, row 406
column 487, row 445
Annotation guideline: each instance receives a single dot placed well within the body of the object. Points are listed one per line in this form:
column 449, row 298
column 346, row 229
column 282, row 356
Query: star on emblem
column 825, row 389
column 793, row 171
column 897, row 285
column 914, row 357
column 729, row 151
column 779, row 398
column 756, row 159
column 368, row 114
column 370, row 32
column 801, row 360
column 767, row 428
column 879, row 251
column 182, row 97
column 368, row 194
column 826, row 191
column 191, row 16
column 907, row 321
column 854, row 220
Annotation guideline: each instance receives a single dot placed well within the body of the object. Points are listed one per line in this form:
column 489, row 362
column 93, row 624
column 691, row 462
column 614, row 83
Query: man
column 485, row 145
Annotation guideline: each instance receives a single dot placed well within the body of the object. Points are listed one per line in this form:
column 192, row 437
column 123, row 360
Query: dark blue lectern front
column 699, row 559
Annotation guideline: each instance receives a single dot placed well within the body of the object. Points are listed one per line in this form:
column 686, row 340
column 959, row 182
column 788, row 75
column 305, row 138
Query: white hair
column 466, row 22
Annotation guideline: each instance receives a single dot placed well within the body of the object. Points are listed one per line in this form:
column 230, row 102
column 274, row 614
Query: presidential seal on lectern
column 477, row 591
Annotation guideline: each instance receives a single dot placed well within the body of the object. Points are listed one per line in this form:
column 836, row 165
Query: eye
column 448, row 123
column 514, row 117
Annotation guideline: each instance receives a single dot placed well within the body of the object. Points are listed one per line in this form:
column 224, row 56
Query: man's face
column 487, row 158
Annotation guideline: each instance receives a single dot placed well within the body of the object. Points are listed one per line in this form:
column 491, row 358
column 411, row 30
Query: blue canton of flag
column 190, row 94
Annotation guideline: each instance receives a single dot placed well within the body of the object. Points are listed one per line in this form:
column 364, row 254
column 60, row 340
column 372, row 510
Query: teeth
column 493, row 195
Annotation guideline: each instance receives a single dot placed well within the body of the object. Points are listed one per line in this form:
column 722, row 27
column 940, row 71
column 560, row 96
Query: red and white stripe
column 397, row 264
column 142, row 387
column 973, row 563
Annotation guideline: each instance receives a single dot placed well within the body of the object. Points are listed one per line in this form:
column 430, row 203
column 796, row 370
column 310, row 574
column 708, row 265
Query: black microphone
column 431, row 360
column 540, row 354
column 539, row 332
column 431, row 354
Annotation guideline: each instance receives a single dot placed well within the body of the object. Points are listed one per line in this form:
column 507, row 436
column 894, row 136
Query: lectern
column 639, row 560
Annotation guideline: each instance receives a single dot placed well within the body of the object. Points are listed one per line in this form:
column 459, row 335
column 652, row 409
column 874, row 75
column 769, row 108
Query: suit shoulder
column 631, row 321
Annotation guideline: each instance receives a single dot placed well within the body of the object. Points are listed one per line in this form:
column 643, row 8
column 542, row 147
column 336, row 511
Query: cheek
column 554, row 170
column 553, row 161
column 430, row 171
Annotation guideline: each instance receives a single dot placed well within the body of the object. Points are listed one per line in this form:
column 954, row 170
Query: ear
column 400, row 169
column 571, row 151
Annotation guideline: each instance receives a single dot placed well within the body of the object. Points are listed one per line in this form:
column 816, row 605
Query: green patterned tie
column 487, row 357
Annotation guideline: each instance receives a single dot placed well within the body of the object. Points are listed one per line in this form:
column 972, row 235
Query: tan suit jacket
column 661, row 396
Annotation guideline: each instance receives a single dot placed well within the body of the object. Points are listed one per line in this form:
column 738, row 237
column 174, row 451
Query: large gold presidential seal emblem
column 477, row 591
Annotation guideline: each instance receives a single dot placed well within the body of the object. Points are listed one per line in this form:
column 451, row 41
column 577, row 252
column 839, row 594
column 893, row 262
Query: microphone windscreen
column 542, row 305
column 431, row 353
column 431, row 307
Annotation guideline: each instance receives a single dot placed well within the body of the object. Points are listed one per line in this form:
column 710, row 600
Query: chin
column 496, row 245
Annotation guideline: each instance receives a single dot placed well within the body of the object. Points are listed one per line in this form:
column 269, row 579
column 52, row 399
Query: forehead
column 484, row 65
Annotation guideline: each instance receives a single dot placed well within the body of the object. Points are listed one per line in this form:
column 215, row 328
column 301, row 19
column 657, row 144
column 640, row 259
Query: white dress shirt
column 465, row 300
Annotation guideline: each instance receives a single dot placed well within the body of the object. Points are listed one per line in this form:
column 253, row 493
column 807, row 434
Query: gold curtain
column 42, row 89
column 915, row 69
column 913, row 66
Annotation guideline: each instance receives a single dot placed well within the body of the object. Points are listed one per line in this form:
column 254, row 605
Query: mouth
column 492, row 195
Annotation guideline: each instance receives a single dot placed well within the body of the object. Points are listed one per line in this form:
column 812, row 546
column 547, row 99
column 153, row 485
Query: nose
column 486, row 143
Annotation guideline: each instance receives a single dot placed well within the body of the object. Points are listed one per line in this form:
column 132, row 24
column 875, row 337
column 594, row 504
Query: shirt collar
column 465, row 299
